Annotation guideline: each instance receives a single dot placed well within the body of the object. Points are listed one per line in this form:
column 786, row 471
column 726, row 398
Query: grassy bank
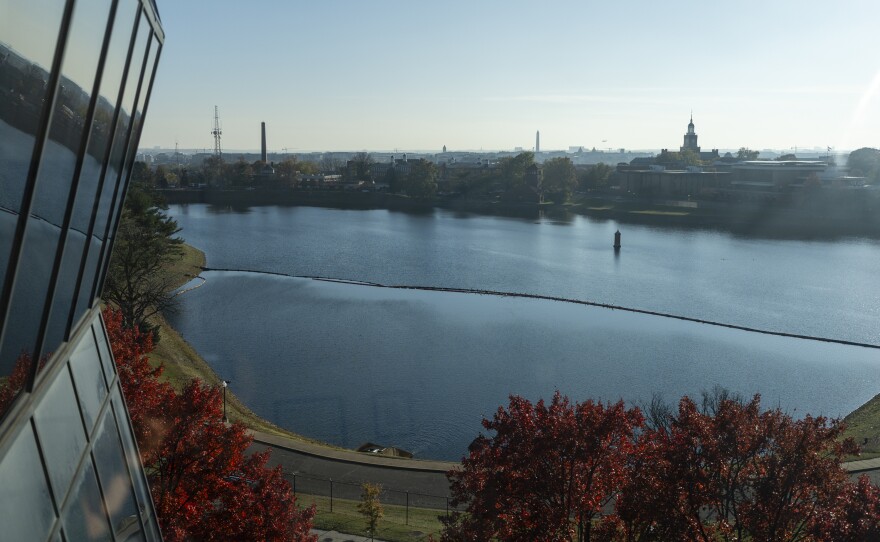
column 863, row 424
column 182, row 363
column 396, row 526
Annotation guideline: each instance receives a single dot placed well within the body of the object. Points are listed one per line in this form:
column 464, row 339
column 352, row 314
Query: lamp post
column 225, row 384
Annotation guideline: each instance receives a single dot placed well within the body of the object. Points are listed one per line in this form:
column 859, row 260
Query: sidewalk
column 862, row 465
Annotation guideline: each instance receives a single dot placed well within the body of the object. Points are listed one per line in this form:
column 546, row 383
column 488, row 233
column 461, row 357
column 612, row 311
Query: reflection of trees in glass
column 22, row 88
column 11, row 385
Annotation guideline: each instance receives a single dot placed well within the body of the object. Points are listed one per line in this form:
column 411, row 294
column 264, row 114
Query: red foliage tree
column 547, row 470
column 15, row 382
column 204, row 485
column 145, row 395
column 854, row 516
column 735, row 474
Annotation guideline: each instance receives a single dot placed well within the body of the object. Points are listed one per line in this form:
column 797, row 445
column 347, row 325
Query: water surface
column 350, row 363
column 825, row 288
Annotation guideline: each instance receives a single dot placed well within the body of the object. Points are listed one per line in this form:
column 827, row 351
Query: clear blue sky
column 385, row 75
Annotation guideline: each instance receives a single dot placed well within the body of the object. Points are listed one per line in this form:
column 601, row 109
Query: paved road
column 871, row 467
column 311, row 467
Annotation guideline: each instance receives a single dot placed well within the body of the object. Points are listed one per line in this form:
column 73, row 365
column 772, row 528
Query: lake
column 350, row 363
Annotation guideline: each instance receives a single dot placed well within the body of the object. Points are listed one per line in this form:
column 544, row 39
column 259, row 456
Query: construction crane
column 216, row 133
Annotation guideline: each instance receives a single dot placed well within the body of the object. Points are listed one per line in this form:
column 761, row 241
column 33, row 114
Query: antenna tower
column 216, row 133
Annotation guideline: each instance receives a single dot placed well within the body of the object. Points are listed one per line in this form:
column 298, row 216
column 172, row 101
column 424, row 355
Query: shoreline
column 183, row 363
column 829, row 217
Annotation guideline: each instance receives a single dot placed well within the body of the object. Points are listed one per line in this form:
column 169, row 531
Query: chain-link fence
column 335, row 492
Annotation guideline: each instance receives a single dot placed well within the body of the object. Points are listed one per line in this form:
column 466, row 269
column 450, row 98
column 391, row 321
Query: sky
column 409, row 75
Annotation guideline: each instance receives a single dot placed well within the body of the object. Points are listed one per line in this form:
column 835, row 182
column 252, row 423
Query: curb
column 348, row 456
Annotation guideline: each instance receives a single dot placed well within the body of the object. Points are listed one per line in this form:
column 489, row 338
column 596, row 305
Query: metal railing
column 303, row 484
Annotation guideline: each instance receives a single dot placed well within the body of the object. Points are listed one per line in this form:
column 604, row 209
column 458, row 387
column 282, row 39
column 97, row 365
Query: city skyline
column 393, row 75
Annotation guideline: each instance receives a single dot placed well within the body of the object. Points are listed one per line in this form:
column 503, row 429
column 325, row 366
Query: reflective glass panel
column 85, row 518
column 114, row 479
column 104, row 350
column 111, row 192
column 69, row 128
column 133, row 460
column 55, row 178
column 133, row 141
column 29, row 296
column 25, row 485
column 100, row 136
column 91, row 389
column 61, row 432
column 27, row 48
column 145, row 89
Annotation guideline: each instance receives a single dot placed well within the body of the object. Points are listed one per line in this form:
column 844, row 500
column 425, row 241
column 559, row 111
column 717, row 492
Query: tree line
column 419, row 178
column 722, row 470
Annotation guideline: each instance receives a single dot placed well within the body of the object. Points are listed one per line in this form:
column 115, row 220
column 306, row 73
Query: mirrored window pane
column 85, row 518
column 87, row 375
column 135, row 135
column 114, row 479
column 27, row 48
column 123, row 123
column 145, row 88
column 24, row 484
column 122, row 29
column 132, row 457
column 61, row 432
column 66, row 137
column 104, row 351
column 26, row 55
column 110, row 197
column 29, row 296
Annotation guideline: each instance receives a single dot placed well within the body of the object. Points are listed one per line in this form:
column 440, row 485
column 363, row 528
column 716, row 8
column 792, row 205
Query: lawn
column 863, row 424
column 394, row 526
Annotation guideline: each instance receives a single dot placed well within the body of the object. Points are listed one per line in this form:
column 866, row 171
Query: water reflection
column 350, row 364
column 229, row 208
column 811, row 288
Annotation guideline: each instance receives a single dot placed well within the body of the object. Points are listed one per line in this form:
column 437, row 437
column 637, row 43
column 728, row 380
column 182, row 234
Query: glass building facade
column 75, row 81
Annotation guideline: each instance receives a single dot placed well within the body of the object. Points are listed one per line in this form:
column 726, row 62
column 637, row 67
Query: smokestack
column 538, row 141
column 263, row 153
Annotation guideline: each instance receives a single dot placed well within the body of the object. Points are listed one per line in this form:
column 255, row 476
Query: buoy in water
column 617, row 240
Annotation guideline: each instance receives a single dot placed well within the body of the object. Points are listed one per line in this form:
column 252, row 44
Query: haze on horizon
column 388, row 75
